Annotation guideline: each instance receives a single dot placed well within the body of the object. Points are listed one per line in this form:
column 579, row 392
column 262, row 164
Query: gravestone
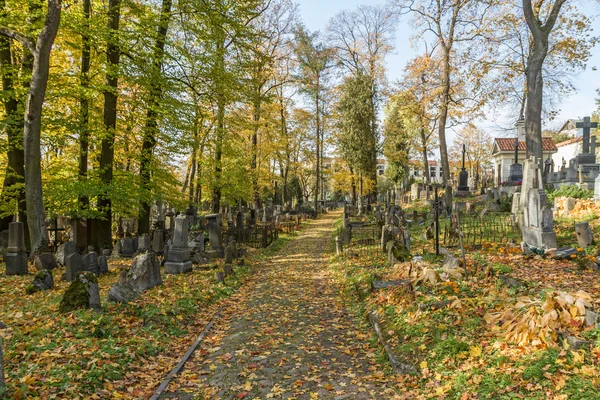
column 3, row 241
column 144, row 272
column 178, row 257
column 463, row 178
column 16, row 256
column 90, row 262
column 43, row 281
column 252, row 220
column 537, row 224
column 103, row 262
column 228, row 259
column 44, row 261
column 144, row 243
column 82, row 293
column 122, row 291
column 158, row 244
column 74, row 265
column 214, row 236
column 516, row 169
column 126, row 247
column 65, row 250
column 583, row 231
column 415, row 191
column 79, row 233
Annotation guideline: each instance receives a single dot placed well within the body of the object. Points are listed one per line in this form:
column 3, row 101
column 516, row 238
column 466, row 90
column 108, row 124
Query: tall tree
column 314, row 59
column 40, row 49
column 103, row 228
column 151, row 128
column 84, row 104
column 540, row 33
column 361, row 39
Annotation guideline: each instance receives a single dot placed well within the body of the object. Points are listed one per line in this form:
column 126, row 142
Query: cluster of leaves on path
column 125, row 352
column 478, row 338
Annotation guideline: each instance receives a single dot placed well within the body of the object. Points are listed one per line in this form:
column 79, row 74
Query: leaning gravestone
column 43, row 281
column 122, row 291
column 145, row 272
column 178, row 257
column 44, row 261
column 16, row 257
column 64, row 250
column 82, row 293
column 74, row 266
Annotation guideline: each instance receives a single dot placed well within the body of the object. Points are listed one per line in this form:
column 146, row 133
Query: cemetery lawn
column 484, row 337
column 126, row 351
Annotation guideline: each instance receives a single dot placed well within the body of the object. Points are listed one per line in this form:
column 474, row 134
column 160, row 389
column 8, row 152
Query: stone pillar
column 584, row 234
column 16, row 256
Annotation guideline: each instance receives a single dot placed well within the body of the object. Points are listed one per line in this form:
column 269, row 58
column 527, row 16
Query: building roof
column 570, row 141
column 508, row 144
column 570, row 124
column 432, row 163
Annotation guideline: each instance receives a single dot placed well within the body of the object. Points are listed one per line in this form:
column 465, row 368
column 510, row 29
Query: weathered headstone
column 158, row 241
column 122, row 291
column 103, row 262
column 584, row 234
column 64, row 250
column 145, row 272
column 126, row 247
column 178, row 256
column 43, row 281
column 44, row 261
column 82, row 293
column 79, row 233
column 90, row 262
column 214, row 236
column 144, row 243
column 16, row 257
column 74, row 265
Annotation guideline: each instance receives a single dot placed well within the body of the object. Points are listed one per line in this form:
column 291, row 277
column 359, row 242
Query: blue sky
column 316, row 13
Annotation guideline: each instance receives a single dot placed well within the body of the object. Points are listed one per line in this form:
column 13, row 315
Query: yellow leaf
column 475, row 351
column 423, row 364
column 559, row 384
column 212, row 367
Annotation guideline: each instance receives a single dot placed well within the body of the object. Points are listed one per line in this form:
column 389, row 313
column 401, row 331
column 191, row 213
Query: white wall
column 567, row 152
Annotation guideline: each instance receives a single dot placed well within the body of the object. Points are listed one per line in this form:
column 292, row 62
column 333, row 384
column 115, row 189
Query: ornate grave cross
column 586, row 125
column 55, row 230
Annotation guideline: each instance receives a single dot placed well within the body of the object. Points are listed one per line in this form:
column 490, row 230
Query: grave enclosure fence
column 360, row 240
column 477, row 230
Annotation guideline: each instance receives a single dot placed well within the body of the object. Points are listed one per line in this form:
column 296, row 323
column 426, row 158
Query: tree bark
column 256, row 111
column 318, row 122
column 425, row 159
column 84, row 130
column 445, row 98
column 220, row 131
column 151, row 129
column 36, row 215
column 103, row 228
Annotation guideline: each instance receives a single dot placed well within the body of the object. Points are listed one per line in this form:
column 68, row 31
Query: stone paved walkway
column 288, row 336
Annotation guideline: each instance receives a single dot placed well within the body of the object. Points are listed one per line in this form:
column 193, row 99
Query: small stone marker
column 584, row 234
column 103, row 262
column 74, row 266
column 144, row 243
column 82, row 293
column 43, row 281
column 158, row 241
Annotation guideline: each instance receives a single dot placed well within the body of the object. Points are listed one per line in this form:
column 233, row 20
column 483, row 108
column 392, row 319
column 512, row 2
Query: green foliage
column 569, row 191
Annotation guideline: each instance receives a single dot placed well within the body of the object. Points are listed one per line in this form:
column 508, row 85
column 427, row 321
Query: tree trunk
column 84, row 130
column 256, row 111
column 220, row 131
column 36, row 216
column 151, row 129
column 103, row 228
column 444, row 116
column 353, row 185
column 425, row 160
column 318, row 122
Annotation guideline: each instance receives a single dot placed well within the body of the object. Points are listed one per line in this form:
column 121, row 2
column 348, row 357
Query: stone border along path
column 287, row 335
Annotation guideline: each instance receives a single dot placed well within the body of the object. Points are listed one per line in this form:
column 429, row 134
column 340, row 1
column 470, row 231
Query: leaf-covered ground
column 124, row 352
column 486, row 339
column 288, row 335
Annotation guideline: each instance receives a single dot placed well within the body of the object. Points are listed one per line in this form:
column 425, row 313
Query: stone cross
column 463, row 156
column 586, row 125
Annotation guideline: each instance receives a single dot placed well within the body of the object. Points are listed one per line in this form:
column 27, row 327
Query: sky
column 315, row 15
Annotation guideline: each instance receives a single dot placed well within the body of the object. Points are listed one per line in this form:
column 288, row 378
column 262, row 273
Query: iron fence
column 479, row 229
